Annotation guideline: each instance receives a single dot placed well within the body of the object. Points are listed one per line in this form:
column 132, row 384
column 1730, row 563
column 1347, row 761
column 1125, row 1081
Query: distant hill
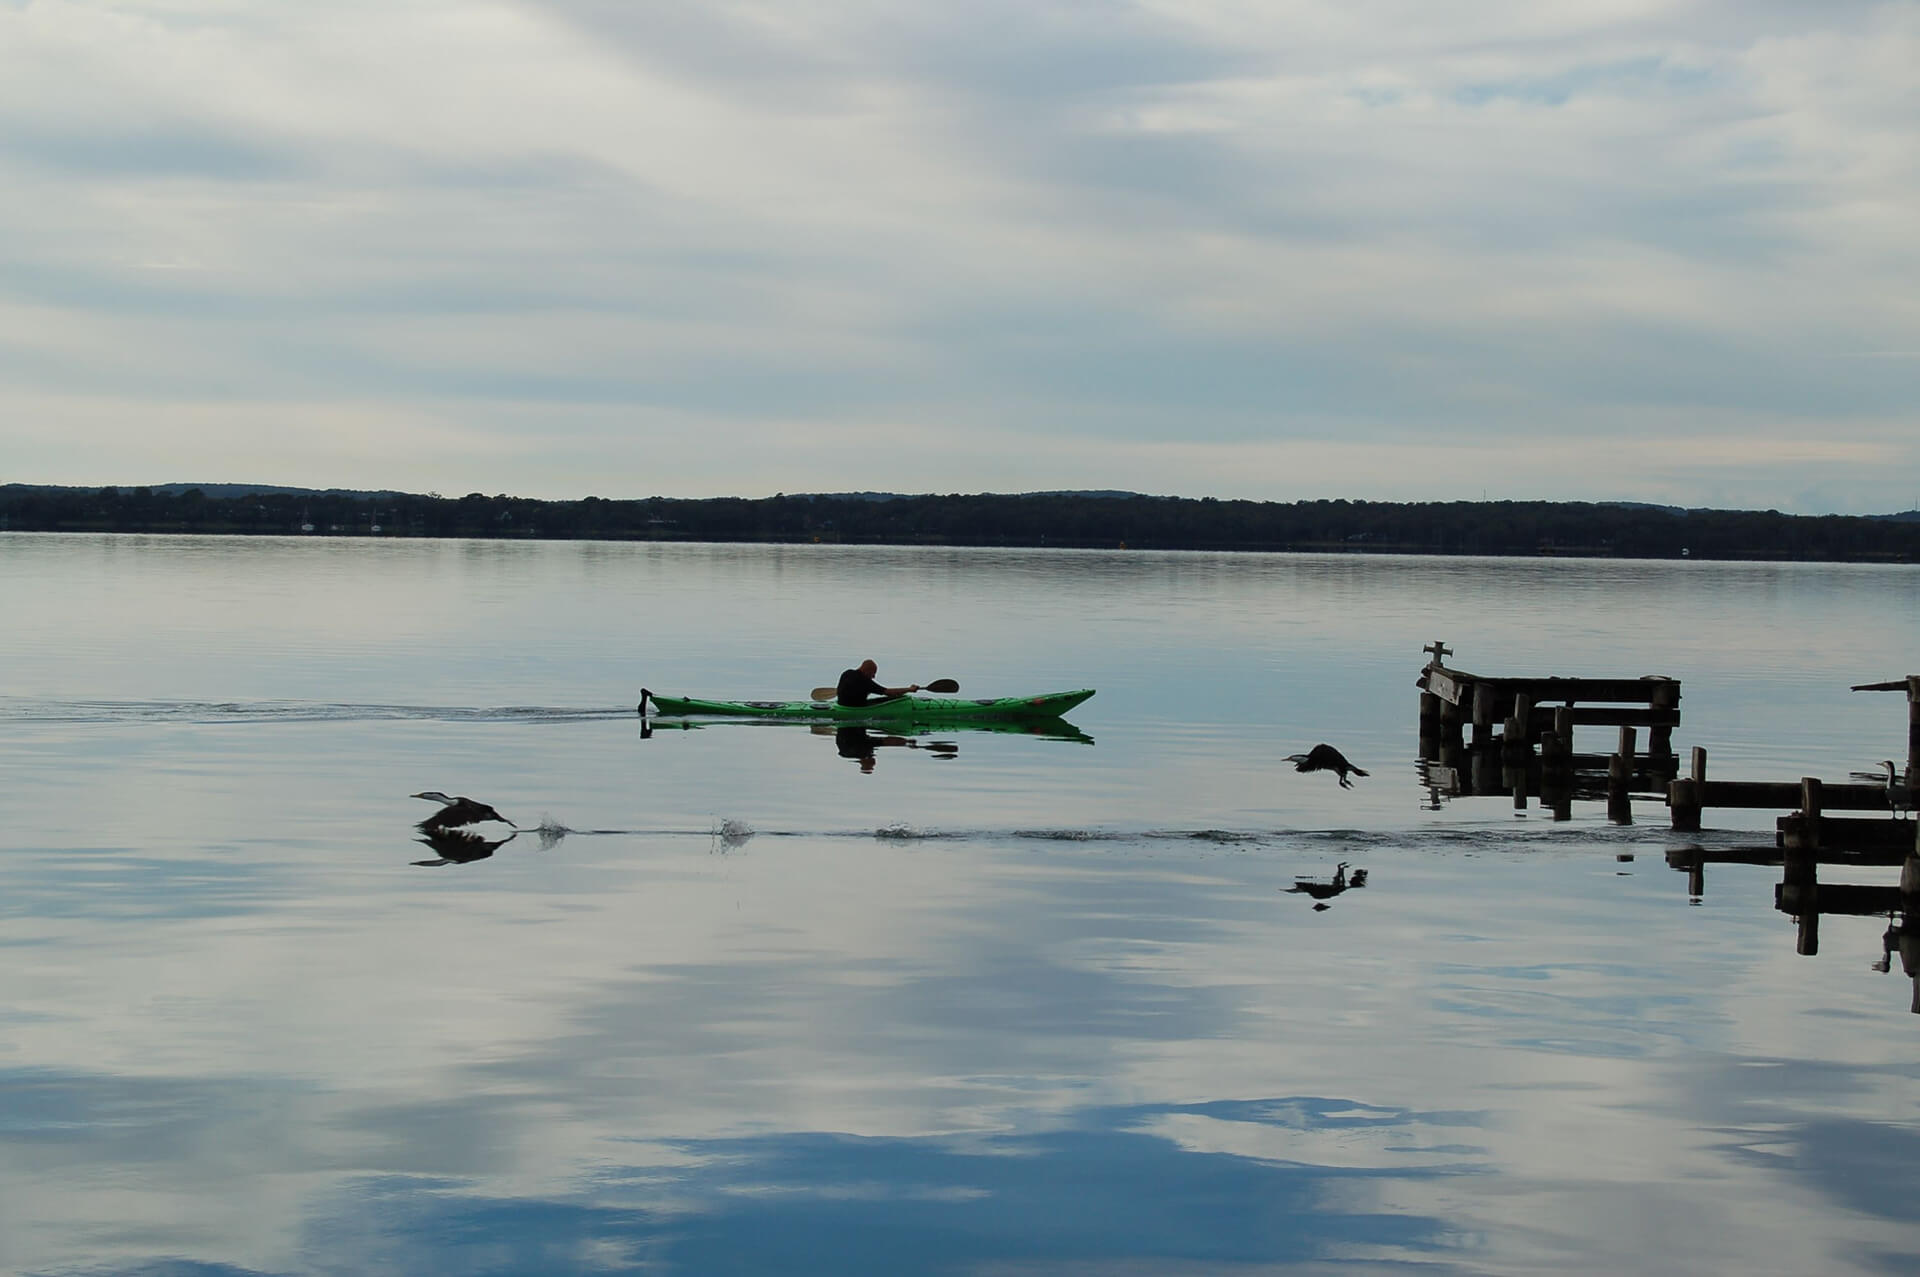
column 1644, row 505
column 222, row 491
column 1093, row 520
column 230, row 490
column 1106, row 493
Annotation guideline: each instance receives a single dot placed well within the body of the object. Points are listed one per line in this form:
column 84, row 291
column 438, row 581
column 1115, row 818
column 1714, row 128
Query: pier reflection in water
column 1803, row 897
column 1522, row 749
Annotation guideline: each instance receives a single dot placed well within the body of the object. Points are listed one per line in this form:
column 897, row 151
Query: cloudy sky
column 1395, row 249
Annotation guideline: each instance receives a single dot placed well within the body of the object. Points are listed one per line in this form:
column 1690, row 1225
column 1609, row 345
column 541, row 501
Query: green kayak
column 901, row 709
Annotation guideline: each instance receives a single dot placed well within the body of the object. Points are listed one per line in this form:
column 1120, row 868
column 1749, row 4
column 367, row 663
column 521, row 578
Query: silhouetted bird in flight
column 455, row 812
column 1325, row 758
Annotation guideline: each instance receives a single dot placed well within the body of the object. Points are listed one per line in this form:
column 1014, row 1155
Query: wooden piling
column 1451, row 736
column 1799, row 884
column 1485, row 771
column 1556, row 766
column 1620, row 780
column 1486, row 703
column 1666, row 696
column 1519, row 732
column 1684, row 797
column 1913, row 736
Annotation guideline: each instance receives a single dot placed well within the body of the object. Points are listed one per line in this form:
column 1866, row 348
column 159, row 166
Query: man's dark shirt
column 857, row 689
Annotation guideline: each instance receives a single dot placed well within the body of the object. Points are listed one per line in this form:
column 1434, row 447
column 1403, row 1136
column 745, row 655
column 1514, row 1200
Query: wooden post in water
column 1429, row 726
column 1683, row 796
column 1620, row 780
column 1484, row 767
column 1913, row 737
column 1556, row 766
column 1666, row 695
column 1450, row 733
column 1519, row 728
column 1486, row 699
column 1800, row 865
column 1517, row 748
column 1810, row 808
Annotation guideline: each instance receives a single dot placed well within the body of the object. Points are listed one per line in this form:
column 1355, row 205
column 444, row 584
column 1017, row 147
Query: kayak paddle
column 938, row 685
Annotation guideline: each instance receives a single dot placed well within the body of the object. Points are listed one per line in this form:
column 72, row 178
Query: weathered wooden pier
column 1521, row 743
column 1807, row 838
column 1692, row 794
column 1511, row 718
column 1514, row 735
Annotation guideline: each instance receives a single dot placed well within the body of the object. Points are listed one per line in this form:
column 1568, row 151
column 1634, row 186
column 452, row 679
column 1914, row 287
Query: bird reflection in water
column 1325, row 891
column 460, row 846
column 445, row 831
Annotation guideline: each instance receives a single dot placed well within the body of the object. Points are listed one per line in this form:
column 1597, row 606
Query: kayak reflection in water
column 859, row 743
column 858, row 686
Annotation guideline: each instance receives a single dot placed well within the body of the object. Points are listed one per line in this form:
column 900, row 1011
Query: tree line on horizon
column 1068, row 520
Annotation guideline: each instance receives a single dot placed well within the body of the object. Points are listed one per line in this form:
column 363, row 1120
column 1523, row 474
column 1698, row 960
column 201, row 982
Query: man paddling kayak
column 858, row 686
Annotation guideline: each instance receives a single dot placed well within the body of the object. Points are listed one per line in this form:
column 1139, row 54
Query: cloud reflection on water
column 1041, row 1004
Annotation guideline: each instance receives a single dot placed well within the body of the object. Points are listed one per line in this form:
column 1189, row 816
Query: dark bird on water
column 457, row 811
column 1325, row 758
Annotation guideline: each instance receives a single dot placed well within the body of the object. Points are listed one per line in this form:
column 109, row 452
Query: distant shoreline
column 1062, row 520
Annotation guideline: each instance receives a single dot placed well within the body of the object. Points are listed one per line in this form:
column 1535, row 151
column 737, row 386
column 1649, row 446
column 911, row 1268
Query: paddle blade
column 824, row 693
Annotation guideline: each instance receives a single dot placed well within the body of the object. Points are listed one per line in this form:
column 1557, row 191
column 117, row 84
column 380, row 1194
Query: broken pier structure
column 1483, row 734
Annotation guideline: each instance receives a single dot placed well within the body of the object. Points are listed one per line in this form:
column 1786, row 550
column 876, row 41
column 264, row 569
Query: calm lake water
column 1003, row 1003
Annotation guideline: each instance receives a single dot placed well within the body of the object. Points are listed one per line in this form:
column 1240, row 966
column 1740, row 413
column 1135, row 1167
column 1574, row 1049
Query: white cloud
column 1212, row 221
